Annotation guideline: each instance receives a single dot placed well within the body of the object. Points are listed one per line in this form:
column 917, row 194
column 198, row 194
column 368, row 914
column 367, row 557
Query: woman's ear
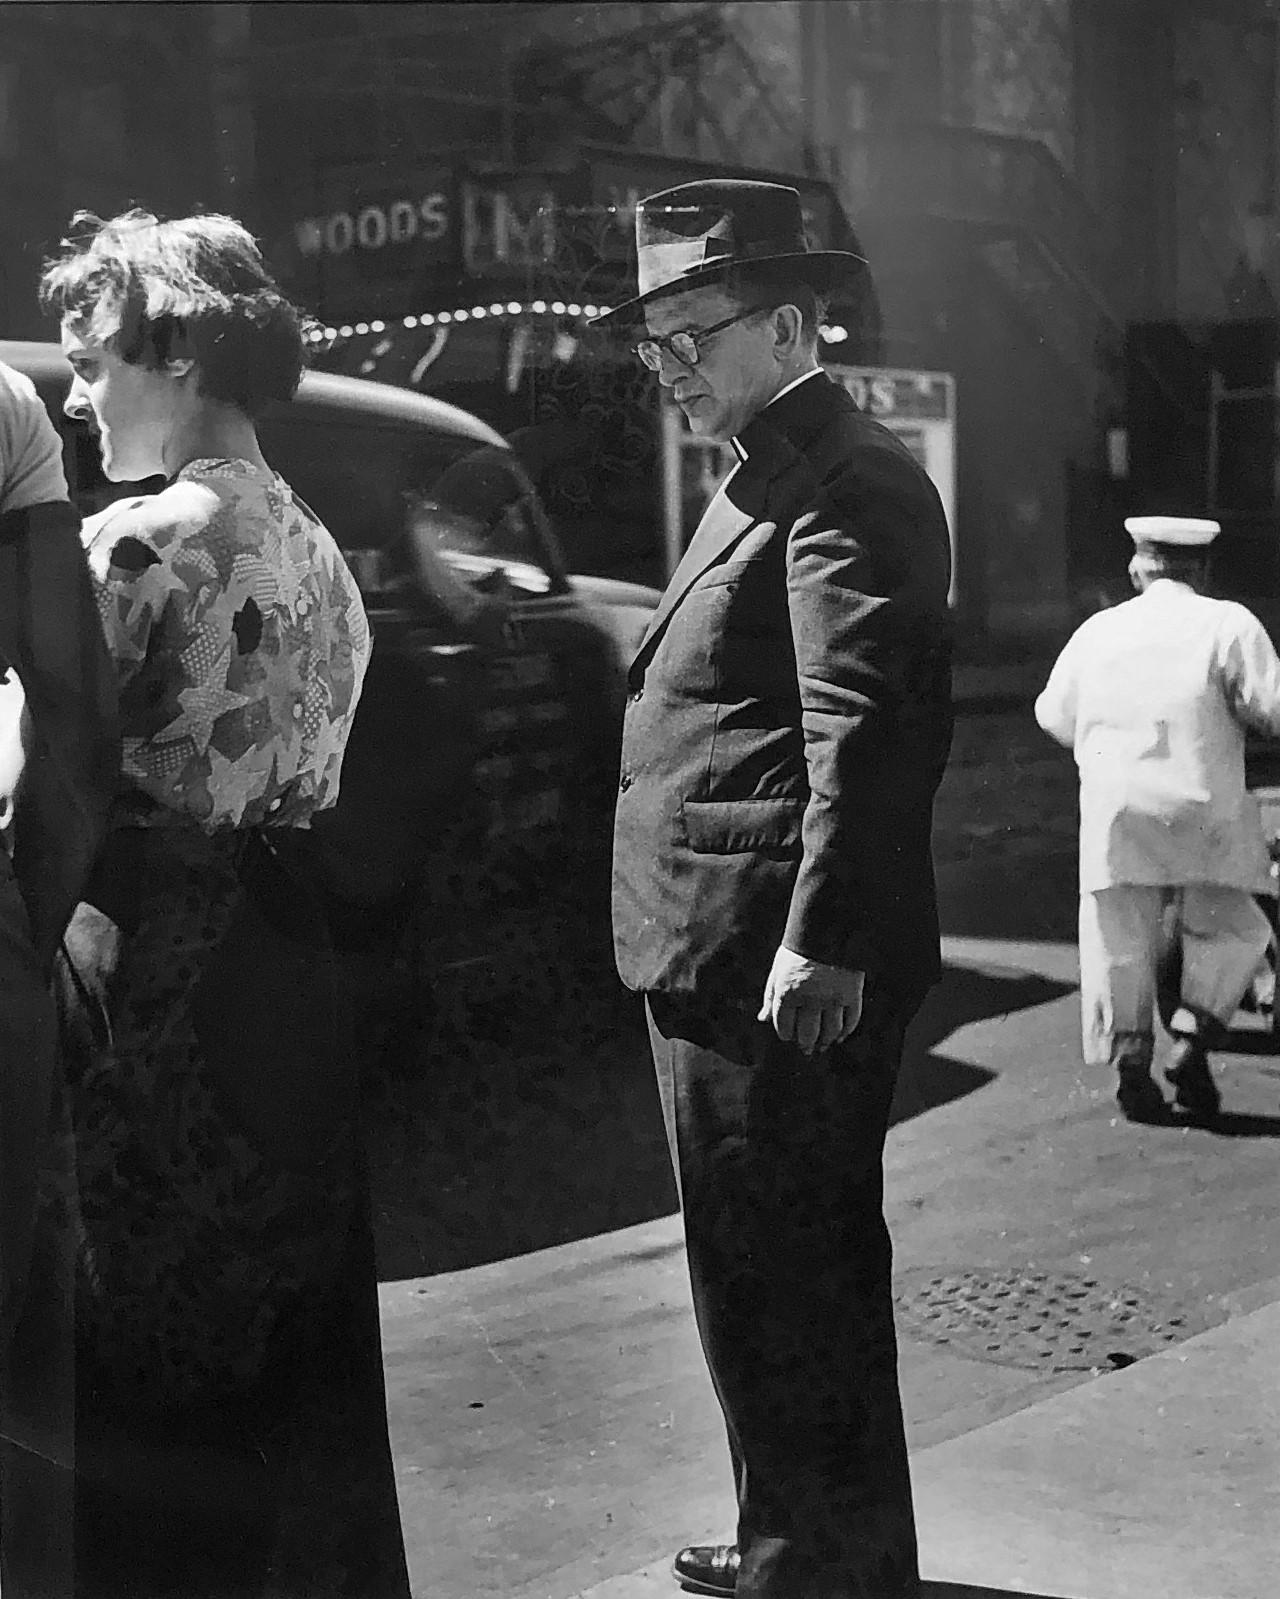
column 171, row 346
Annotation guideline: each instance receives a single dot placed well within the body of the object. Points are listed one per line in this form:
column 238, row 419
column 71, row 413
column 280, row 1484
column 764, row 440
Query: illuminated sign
column 373, row 227
column 509, row 226
column 885, row 392
column 372, row 245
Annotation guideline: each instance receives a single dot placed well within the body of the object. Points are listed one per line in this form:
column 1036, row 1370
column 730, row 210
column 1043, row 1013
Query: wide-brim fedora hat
column 696, row 233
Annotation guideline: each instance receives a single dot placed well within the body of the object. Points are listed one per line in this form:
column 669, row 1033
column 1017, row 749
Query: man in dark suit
column 59, row 759
column 788, row 723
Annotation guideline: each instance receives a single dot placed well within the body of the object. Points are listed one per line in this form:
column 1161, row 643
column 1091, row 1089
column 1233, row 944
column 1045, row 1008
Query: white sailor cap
column 1178, row 532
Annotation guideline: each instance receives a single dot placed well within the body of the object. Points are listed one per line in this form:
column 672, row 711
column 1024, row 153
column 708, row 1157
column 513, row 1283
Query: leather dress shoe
column 707, row 1568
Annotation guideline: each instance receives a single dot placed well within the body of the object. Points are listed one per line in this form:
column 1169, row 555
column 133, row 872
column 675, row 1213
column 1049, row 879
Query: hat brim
column 820, row 269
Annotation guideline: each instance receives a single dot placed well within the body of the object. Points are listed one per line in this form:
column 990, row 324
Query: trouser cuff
column 1131, row 1050
column 1190, row 1022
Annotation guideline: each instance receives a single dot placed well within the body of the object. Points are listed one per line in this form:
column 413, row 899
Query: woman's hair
column 154, row 291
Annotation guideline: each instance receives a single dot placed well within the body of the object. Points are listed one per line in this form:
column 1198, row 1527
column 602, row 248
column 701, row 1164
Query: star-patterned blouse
column 241, row 644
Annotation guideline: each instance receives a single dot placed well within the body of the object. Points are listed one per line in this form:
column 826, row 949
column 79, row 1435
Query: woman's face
column 133, row 409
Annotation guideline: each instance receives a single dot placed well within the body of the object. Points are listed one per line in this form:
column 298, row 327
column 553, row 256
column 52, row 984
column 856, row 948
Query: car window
column 481, row 513
column 376, row 484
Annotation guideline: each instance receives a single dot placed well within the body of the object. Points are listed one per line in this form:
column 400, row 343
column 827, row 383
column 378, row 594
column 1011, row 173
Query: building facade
column 1069, row 206
column 107, row 106
column 1068, row 202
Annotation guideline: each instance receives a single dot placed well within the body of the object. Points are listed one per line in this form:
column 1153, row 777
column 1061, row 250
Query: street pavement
column 555, row 1433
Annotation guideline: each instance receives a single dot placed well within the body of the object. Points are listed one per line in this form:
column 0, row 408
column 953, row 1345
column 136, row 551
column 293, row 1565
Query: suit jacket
column 50, row 632
column 789, row 720
column 65, row 773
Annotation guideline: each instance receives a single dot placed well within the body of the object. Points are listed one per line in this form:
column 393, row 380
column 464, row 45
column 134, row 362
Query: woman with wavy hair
column 231, row 1433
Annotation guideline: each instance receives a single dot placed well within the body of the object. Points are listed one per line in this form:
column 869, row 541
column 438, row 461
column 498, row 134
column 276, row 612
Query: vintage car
column 489, row 724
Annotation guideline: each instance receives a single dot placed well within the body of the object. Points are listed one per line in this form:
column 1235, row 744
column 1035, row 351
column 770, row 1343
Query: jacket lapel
column 742, row 499
column 721, row 526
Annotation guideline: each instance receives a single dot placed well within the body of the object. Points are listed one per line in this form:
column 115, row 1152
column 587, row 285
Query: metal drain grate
column 1043, row 1320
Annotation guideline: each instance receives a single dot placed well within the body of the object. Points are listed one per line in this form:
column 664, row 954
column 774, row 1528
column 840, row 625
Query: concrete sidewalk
column 556, row 1436
column 1161, row 1481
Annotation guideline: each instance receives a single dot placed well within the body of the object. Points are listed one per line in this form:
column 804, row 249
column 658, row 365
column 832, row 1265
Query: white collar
column 813, row 372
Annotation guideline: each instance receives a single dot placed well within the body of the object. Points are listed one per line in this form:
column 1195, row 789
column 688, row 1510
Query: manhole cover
column 1042, row 1320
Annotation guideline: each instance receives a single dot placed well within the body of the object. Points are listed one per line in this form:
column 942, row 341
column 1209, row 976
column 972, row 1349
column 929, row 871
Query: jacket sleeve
column 30, row 448
column 1056, row 706
column 49, row 631
column 1251, row 672
column 868, row 565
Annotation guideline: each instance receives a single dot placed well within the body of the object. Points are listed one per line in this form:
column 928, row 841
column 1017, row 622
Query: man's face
column 736, row 373
column 131, row 407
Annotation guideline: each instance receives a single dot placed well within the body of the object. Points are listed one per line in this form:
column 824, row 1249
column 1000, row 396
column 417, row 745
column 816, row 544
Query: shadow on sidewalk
column 929, row 1079
column 960, row 1590
column 541, row 1150
column 1231, row 1124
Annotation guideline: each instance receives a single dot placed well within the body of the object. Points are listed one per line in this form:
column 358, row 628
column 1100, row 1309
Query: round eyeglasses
column 684, row 345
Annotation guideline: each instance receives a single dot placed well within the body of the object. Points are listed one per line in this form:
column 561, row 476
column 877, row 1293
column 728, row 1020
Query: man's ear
column 787, row 324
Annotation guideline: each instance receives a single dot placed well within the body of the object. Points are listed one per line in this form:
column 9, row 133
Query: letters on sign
column 873, row 394
column 373, row 227
column 504, row 229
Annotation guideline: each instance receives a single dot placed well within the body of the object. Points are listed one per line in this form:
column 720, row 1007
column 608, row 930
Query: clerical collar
column 795, row 383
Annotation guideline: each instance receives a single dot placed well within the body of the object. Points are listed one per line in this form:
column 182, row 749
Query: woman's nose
column 76, row 405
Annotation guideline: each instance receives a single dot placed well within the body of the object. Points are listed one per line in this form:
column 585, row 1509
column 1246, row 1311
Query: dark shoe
column 1138, row 1097
column 707, row 1568
column 1194, row 1089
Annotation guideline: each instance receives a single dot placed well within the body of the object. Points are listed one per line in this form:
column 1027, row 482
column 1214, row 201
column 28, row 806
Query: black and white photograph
column 639, row 799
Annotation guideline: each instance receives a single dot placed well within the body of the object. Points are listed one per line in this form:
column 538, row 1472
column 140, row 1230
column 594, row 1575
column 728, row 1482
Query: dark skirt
column 196, row 1386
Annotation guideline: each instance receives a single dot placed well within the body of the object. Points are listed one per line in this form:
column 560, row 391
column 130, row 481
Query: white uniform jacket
column 1153, row 697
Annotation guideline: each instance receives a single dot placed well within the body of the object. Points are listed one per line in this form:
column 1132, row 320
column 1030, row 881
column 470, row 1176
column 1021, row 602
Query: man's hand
column 809, row 1003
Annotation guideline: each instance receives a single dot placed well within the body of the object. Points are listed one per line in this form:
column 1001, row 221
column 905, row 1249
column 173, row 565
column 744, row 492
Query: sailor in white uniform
column 1153, row 697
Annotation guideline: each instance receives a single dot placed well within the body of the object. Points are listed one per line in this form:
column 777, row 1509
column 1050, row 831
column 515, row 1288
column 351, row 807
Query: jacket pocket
column 750, row 826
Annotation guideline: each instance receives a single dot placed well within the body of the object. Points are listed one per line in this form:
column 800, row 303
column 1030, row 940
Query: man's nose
column 670, row 368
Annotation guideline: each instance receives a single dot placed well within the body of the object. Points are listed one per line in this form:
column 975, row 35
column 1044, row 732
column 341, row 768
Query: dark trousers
column 780, row 1163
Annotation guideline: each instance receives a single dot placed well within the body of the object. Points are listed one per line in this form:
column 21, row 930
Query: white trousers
column 1125, row 930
